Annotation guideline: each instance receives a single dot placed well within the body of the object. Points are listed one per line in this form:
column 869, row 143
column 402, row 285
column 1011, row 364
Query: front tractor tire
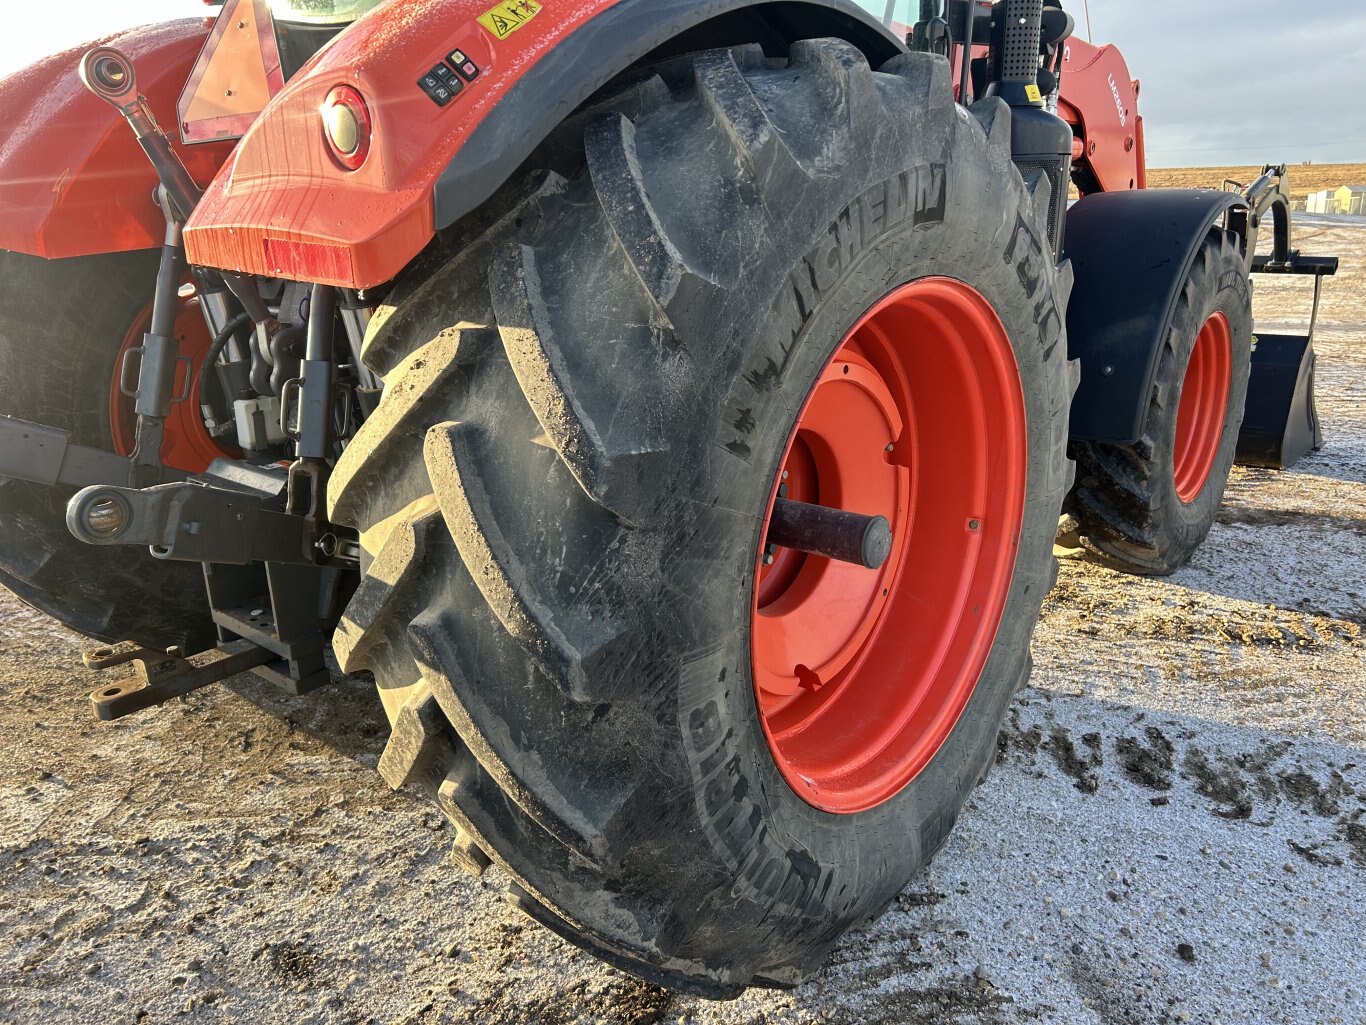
column 747, row 276
column 1146, row 508
column 64, row 325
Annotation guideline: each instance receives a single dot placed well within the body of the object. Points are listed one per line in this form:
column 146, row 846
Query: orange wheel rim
column 1203, row 412
column 861, row 675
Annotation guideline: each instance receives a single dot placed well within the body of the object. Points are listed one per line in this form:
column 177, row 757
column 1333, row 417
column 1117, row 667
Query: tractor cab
column 303, row 27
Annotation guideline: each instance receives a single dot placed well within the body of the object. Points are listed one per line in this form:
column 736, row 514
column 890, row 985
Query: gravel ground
column 1175, row 829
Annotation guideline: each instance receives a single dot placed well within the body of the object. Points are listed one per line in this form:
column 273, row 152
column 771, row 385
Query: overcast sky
column 1224, row 81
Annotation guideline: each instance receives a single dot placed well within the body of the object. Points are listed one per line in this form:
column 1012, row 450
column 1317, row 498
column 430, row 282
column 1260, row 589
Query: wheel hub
column 861, row 674
column 840, row 461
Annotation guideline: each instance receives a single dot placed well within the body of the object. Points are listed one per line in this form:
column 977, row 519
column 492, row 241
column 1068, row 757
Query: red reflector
column 309, row 261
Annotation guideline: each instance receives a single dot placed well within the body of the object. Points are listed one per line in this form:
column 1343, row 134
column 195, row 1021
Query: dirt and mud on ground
column 1175, row 830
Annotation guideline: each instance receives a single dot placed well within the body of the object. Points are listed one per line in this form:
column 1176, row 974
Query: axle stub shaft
column 833, row 533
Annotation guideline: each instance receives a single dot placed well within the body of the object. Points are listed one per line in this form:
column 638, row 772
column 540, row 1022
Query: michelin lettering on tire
column 561, row 537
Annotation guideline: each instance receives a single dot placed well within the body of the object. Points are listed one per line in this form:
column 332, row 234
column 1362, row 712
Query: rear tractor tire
column 63, row 327
column 1146, row 508
column 698, row 756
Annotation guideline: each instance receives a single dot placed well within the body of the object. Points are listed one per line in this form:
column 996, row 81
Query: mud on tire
column 560, row 496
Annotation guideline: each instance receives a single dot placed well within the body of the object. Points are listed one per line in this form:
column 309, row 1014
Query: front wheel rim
column 861, row 675
column 1203, row 411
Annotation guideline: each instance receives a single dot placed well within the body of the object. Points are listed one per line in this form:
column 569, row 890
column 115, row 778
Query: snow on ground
column 1175, row 829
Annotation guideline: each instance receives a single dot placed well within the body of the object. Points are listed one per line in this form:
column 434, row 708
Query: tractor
column 672, row 404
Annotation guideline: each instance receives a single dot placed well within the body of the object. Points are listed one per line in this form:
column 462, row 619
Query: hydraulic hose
column 220, row 342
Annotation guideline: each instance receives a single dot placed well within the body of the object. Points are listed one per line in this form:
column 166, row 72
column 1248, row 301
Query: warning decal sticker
column 509, row 16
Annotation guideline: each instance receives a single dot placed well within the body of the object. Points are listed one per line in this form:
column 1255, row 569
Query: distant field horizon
column 1304, row 178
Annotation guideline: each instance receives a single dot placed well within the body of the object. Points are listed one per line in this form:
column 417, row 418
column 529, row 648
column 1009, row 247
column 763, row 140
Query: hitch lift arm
column 276, row 576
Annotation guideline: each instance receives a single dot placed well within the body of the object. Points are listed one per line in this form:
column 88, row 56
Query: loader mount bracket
column 1281, row 423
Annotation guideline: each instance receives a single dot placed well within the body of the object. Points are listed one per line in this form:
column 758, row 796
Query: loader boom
column 1100, row 101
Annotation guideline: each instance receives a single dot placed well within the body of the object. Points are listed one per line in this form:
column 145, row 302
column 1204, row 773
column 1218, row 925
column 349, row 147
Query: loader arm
column 1100, row 101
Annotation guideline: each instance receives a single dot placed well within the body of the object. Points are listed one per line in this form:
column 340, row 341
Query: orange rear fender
column 286, row 207
column 73, row 180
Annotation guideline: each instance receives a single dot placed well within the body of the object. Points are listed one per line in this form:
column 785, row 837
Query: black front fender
column 1131, row 252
